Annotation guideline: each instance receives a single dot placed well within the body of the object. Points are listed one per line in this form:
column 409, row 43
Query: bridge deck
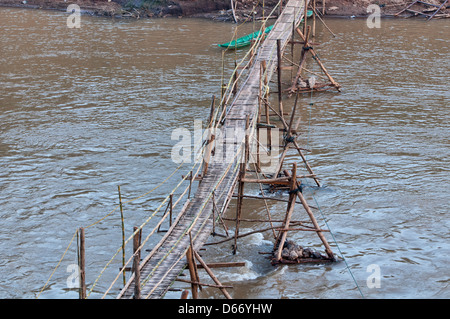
column 162, row 266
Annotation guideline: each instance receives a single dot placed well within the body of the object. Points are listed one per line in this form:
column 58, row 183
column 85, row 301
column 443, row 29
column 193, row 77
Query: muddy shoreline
column 214, row 10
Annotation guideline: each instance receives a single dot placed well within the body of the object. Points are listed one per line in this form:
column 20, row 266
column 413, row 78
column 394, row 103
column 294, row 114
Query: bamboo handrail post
column 184, row 294
column 314, row 18
column 190, row 184
column 82, row 264
column 123, row 234
column 137, row 266
column 170, row 209
column 280, row 104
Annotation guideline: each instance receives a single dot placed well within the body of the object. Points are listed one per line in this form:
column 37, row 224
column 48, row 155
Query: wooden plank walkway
column 166, row 261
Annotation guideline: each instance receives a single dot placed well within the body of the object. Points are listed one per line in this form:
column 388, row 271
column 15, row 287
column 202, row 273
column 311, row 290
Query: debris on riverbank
column 222, row 10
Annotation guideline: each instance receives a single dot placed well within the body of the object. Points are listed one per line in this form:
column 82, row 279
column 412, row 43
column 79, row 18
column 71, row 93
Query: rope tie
column 289, row 139
column 296, row 190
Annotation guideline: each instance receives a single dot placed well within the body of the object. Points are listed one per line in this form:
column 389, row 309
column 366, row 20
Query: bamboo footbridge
column 167, row 259
column 224, row 168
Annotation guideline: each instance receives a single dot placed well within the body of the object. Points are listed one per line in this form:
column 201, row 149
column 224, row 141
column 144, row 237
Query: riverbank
column 220, row 10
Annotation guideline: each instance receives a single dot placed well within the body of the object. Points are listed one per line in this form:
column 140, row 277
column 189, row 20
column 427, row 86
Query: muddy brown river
column 85, row 110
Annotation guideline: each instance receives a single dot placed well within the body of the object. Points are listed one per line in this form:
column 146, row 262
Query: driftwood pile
column 427, row 9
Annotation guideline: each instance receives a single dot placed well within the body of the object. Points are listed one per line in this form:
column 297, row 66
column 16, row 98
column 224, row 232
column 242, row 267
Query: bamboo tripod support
column 307, row 48
column 281, row 177
column 191, row 256
column 290, row 127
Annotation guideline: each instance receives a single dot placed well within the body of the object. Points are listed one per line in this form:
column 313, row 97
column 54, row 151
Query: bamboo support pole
column 235, row 79
column 241, row 186
column 123, row 234
column 219, row 217
column 266, row 102
column 190, row 184
column 137, row 265
column 267, row 210
column 82, row 264
column 137, row 236
column 292, row 46
column 303, row 56
column 311, row 50
column 203, row 284
column 314, row 222
column 314, row 18
column 258, row 157
column 291, row 122
column 170, row 209
column 251, row 233
column 323, row 22
column 290, row 210
column 270, row 198
column 223, row 264
column 211, row 274
column 211, row 112
column 254, row 220
column 277, row 181
column 280, row 102
column 207, row 155
column 214, row 212
column 316, row 225
column 184, row 294
column 308, row 167
column 192, row 273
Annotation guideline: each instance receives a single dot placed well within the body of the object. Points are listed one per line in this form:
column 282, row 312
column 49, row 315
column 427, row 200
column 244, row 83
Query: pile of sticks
column 428, row 10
